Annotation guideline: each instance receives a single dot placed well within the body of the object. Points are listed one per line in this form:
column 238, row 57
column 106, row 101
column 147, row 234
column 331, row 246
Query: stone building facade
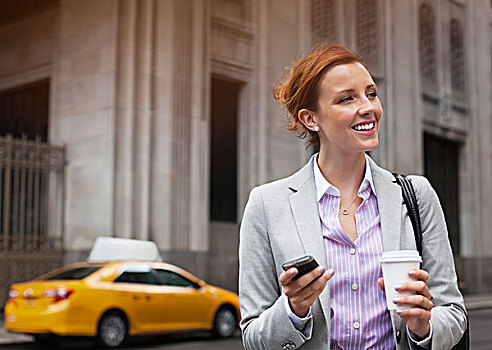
column 165, row 111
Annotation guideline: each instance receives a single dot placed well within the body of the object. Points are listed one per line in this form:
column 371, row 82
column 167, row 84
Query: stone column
column 133, row 119
column 404, row 129
column 181, row 126
column 478, row 149
column 83, row 115
column 142, row 118
column 125, row 91
column 279, row 31
column 161, row 198
column 200, row 129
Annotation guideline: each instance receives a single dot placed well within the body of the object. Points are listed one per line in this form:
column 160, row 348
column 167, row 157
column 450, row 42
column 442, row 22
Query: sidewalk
column 473, row 302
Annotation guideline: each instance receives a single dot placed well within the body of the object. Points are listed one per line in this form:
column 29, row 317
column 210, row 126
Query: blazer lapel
column 389, row 203
column 305, row 211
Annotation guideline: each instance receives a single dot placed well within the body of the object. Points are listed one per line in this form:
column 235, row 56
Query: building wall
column 82, row 115
column 477, row 242
column 130, row 99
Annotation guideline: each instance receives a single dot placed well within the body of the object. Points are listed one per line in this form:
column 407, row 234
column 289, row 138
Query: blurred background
column 153, row 119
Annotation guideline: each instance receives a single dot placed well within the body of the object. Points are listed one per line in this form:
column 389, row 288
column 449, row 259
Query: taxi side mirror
column 199, row 284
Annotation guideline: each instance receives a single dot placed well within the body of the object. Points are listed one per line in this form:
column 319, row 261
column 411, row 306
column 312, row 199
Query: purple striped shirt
column 359, row 317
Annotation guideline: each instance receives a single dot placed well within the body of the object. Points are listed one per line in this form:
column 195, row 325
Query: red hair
column 300, row 90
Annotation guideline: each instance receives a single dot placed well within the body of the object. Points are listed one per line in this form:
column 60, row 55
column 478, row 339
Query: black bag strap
column 412, row 207
column 410, row 200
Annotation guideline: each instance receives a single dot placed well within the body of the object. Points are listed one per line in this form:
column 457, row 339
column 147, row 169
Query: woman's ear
column 308, row 119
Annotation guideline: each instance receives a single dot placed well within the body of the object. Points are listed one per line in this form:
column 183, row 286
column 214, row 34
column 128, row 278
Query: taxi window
column 74, row 274
column 137, row 277
column 168, row 278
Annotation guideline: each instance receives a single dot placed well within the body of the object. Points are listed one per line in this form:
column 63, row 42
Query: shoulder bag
column 413, row 212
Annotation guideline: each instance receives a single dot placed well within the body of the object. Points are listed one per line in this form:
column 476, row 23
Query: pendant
column 345, row 212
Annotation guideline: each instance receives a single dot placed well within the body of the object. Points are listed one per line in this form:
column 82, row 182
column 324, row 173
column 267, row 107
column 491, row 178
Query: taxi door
column 138, row 292
column 181, row 301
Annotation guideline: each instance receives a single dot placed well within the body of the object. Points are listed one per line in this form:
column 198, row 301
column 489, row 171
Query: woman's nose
column 366, row 107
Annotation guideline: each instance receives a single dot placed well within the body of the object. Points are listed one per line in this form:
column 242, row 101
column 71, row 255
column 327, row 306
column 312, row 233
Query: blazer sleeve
column 265, row 324
column 448, row 314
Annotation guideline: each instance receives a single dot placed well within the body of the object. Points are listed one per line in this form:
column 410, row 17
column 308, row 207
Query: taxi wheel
column 225, row 322
column 112, row 330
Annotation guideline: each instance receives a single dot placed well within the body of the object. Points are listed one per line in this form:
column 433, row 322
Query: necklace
column 346, row 210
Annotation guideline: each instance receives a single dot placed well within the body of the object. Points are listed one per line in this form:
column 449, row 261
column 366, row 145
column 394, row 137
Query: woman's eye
column 346, row 99
column 373, row 94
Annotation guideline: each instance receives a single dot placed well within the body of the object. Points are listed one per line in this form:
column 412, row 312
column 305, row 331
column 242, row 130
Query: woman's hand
column 418, row 316
column 303, row 292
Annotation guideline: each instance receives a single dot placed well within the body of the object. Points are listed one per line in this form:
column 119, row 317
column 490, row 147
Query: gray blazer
column 281, row 222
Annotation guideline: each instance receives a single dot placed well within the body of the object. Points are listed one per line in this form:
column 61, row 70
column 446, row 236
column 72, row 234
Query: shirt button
column 356, row 325
column 364, row 186
column 367, row 202
column 355, row 286
column 352, row 251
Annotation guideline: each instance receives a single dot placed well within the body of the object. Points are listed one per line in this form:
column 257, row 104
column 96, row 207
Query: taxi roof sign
column 117, row 249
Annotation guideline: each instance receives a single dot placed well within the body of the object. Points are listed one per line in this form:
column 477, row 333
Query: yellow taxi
column 112, row 300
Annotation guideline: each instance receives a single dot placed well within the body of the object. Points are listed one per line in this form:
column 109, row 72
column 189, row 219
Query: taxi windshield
column 77, row 273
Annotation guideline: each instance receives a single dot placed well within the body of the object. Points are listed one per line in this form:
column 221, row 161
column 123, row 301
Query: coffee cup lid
column 400, row 255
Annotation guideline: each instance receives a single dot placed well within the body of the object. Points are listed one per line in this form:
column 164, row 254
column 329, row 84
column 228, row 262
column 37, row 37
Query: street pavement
column 188, row 341
column 480, row 334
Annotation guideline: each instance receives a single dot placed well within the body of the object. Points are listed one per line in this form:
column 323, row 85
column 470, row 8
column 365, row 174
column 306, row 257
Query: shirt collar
column 323, row 186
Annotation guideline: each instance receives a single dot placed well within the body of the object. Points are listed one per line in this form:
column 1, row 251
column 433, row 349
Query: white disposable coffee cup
column 396, row 265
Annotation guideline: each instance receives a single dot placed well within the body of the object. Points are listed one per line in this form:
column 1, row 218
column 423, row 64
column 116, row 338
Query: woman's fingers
column 301, row 300
column 420, row 275
column 414, row 300
column 381, row 284
column 419, row 287
column 418, row 312
column 414, row 312
column 314, row 287
column 417, row 320
column 303, row 292
column 287, row 276
column 309, row 277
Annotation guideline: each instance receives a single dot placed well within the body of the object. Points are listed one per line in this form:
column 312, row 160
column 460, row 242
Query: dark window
column 24, row 111
column 427, row 47
column 73, row 274
column 441, row 168
column 137, row 277
column 457, row 60
column 168, row 278
column 223, row 179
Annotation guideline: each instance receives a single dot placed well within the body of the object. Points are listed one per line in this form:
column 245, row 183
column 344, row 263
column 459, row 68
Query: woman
column 344, row 210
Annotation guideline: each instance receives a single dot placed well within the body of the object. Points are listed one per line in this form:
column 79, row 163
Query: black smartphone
column 304, row 264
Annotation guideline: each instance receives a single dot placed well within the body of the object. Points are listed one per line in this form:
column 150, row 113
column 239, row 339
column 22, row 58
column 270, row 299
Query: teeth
column 364, row 127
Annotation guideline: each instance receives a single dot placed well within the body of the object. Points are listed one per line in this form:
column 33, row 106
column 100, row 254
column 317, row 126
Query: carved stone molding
column 368, row 38
column 323, row 21
column 445, row 113
column 25, row 77
column 231, row 69
column 232, row 30
column 232, row 45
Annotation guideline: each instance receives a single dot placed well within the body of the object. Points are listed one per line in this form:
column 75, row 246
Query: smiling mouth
column 364, row 127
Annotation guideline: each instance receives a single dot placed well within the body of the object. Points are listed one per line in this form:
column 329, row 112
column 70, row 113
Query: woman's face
column 349, row 110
